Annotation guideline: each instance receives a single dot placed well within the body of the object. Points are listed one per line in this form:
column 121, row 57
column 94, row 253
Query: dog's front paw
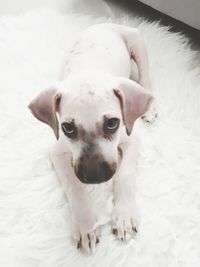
column 123, row 223
column 151, row 115
column 86, row 234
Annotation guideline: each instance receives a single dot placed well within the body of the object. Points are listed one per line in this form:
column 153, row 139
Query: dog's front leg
column 85, row 233
column 124, row 211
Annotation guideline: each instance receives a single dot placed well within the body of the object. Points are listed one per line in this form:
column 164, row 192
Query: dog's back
column 102, row 48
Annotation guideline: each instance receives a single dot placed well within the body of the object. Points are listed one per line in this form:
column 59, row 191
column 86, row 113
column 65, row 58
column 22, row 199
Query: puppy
column 106, row 87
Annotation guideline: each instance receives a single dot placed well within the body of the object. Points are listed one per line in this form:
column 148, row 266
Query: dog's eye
column 111, row 125
column 69, row 129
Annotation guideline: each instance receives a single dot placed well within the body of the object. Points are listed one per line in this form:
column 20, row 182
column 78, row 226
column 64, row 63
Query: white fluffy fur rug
column 35, row 222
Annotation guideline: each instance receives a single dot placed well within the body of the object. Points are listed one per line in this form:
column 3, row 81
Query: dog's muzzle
column 94, row 170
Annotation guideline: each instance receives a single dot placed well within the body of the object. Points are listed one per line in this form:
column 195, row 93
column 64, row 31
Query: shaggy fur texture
column 35, row 223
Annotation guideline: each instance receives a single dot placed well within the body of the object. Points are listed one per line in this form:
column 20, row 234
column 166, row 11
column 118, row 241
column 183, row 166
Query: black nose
column 105, row 170
column 90, row 172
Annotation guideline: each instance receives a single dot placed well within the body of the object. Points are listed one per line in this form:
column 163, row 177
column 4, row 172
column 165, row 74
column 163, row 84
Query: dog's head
column 90, row 116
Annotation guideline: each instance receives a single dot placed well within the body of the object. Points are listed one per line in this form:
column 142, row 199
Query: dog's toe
column 87, row 242
column 85, row 232
column 125, row 220
column 124, row 228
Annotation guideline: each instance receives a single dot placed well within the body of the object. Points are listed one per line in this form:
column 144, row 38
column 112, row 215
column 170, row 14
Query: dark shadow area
column 142, row 10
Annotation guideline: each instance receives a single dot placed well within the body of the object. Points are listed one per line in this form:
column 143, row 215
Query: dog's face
column 91, row 125
column 89, row 117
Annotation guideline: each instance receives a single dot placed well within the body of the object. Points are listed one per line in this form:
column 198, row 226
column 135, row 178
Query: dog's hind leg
column 134, row 75
column 139, row 65
column 141, row 71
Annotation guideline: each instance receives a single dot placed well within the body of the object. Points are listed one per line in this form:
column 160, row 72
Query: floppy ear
column 134, row 101
column 45, row 106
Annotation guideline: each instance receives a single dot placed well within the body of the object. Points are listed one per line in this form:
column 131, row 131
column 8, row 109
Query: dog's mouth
column 94, row 181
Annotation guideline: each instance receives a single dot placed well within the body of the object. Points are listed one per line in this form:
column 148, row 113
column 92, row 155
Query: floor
column 139, row 9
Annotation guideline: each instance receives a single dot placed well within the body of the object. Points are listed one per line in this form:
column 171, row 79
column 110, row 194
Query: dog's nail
column 122, row 239
column 125, row 235
column 97, row 240
column 89, row 240
column 88, row 237
column 79, row 244
column 114, row 231
column 134, row 229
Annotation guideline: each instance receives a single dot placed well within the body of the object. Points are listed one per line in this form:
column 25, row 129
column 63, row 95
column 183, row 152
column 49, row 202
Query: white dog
column 92, row 116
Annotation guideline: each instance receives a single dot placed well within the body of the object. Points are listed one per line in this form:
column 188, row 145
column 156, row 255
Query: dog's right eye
column 69, row 129
column 111, row 125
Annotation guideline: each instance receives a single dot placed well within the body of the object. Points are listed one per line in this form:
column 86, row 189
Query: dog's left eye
column 69, row 129
column 111, row 125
